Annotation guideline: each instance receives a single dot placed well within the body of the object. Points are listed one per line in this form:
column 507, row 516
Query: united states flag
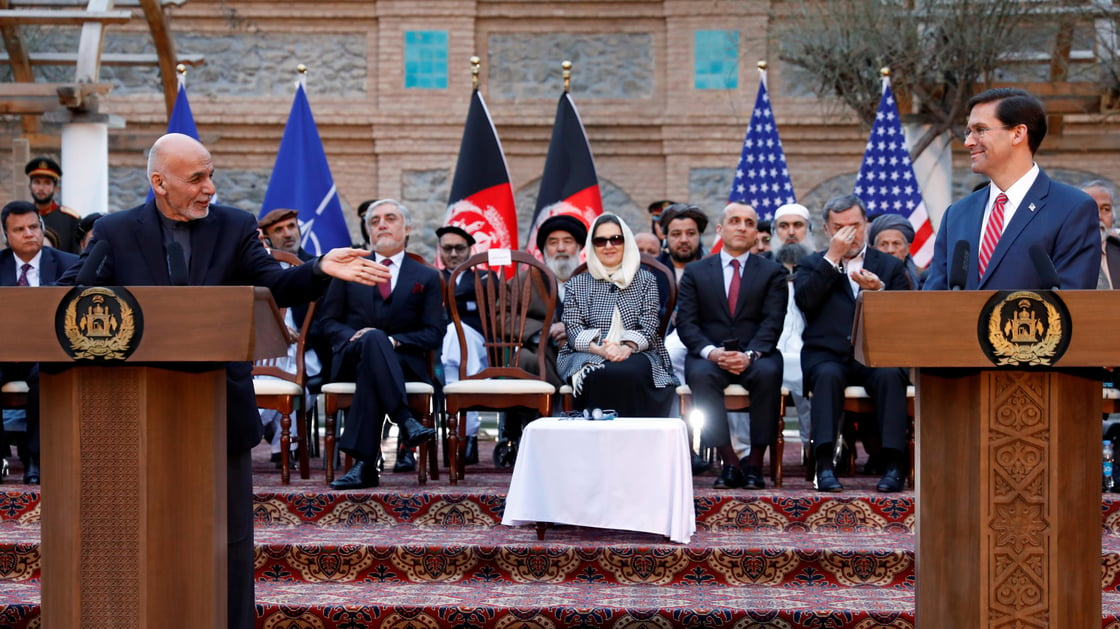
column 886, row 181
column 762, row 178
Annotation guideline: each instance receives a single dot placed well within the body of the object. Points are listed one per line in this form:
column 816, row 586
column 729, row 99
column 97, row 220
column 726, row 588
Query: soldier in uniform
column 44, row 175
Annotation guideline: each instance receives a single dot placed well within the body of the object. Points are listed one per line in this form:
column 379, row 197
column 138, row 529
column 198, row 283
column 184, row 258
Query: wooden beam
column 41, row 90
column 107, row 59
column 20, row 63
column 165, row 47
column 80, row 3
column 24, row 17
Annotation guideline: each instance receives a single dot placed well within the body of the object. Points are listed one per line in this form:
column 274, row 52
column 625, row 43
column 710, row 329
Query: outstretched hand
column 351, row 265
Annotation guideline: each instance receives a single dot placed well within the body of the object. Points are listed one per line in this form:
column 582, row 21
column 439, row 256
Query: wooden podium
column 1008, row 460
column 133, row 454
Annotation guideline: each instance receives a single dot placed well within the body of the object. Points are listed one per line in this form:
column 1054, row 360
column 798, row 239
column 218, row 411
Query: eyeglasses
column 980, row 132
column 453, row 248
column 602, row 241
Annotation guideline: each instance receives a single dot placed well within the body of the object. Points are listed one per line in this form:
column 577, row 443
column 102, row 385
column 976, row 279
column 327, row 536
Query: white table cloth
column 632, row 474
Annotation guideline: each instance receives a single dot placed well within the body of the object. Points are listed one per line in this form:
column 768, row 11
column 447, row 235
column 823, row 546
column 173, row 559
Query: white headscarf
column 624, row 273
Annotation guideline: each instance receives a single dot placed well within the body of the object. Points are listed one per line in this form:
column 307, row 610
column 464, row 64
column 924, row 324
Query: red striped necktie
column 992, row 232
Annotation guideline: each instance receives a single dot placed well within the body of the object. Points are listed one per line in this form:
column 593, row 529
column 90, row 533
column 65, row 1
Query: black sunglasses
column 603, row 241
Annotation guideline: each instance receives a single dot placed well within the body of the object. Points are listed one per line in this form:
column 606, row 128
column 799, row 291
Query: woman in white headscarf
column 614, row 357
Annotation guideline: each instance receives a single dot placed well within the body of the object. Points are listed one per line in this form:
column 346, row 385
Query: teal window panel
column 716, row 60
column 425, row 60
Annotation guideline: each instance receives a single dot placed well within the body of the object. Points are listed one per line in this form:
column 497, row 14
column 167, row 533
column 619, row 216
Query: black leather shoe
column 471, row 457
column 414, row 433
column 361, row 476
column 730, row 478
column 752, row 477
column 891, row 480
column 406, row 462
column 699, row 465
column 826, row 481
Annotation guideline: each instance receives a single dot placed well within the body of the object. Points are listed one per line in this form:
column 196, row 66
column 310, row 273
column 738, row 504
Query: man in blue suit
column 825, row 287
column 26, row 262
column 729, row 316
column 1021, row 208
column 221, row 248
column 381, row 337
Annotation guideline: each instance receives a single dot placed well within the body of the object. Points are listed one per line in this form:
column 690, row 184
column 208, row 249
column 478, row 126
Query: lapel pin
column 1031, row 207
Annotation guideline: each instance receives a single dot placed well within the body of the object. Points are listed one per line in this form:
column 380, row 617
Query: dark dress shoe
column 753, row 478
column 699, row 465
column 891, row 480
column 406, row 462
column 826, row 481
column 361, row 476
column 31, row 474
column 471, row 456
column 730, row 478
column 414, row 433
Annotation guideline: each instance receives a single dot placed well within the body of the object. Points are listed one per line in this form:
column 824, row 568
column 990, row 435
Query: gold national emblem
column 99, row 324
column 1026, row 329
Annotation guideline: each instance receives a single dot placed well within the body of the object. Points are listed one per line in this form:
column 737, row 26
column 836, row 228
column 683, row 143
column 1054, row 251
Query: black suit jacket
column 825, row 296
column 703, row 317
column 413, row 315
column 225, row 251
column 52, row 264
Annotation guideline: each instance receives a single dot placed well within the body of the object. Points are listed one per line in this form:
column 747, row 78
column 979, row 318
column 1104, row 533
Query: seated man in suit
column 729, row 316
column 380, row 338
column 825, row 288
column 26, row 262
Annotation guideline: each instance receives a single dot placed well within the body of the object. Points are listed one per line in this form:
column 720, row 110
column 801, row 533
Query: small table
column 632, row 474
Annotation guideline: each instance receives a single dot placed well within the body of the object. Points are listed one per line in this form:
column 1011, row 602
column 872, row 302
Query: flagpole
column 762, row 71
column 885, row 72
column 301, row 80
column 567, row 66
column 476, row 65
column 181, row 71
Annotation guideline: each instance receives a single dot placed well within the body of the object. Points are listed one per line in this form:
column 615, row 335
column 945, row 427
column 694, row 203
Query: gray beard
column 789, row 254
column 562, row 267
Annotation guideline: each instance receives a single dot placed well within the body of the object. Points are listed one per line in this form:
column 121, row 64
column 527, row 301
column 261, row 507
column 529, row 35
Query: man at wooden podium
column 1022, row 210
column 212, row 245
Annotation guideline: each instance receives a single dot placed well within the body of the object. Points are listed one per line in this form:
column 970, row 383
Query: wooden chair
column 504, row 296
column 284, row 391
column 421, row 401
column 736, row 398
column 655, row 267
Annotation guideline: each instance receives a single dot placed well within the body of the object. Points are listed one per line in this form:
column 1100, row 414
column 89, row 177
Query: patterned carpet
column 406, row 555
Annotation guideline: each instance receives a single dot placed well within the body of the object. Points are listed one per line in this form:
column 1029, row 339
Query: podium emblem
column 1024, row 329
column 99, row 323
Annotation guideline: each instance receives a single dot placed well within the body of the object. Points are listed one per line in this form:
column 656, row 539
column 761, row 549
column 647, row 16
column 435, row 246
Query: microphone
column 87, row 275
column 176, row 264
column 958, row 271
column 1044, row 266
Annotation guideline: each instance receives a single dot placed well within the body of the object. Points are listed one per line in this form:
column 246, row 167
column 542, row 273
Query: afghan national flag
column 569, row 184
column 481, row 196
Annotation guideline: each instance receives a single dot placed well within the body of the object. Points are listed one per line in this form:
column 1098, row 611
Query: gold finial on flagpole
column 885, row 71
column 476, row 65
column 762, row 66
column 181, row 69
column 301, row 70
column 567, row 66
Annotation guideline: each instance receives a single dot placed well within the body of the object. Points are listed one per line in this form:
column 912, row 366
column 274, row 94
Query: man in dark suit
column 26, row 262
column 825, row 288
column 221, row 248
column 734, row 344
column 1021, row 208
column 380, row 337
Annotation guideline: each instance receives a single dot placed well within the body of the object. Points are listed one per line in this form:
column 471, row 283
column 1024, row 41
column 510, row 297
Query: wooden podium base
column 133, row 498
column 1009, row 498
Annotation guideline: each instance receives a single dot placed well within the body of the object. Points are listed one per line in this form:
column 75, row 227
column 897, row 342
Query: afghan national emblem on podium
column 99, row 323
column 1024, row 329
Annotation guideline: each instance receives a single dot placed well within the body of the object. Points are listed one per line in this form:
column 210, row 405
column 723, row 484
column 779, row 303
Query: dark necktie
column 733, row 289
column 386, row 287
column 22, row 281
column 992, row 232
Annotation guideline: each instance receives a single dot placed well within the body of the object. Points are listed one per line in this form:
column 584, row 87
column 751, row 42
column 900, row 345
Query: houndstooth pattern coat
column 588, row 307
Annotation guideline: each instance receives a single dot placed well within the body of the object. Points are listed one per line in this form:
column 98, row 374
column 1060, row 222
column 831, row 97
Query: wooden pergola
column 31, row 99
